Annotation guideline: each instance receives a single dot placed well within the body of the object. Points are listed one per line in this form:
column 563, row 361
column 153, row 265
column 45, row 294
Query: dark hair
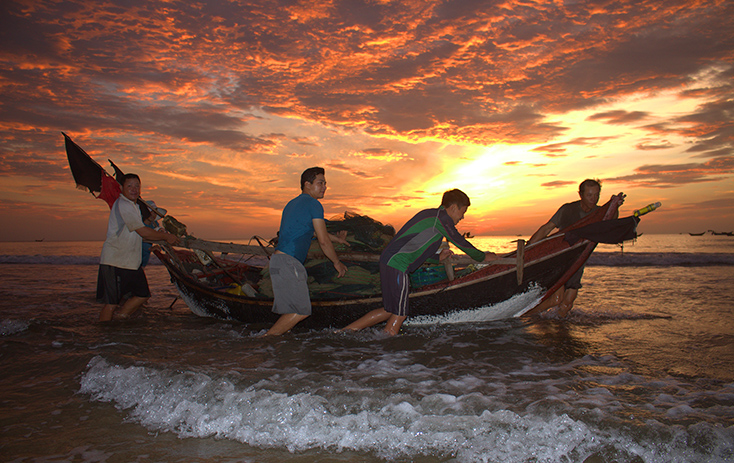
column 589, row 182
column 455, row 196
column 309, row 175
column 127, row 177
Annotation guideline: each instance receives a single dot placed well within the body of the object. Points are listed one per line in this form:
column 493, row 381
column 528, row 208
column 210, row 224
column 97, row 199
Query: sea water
column 642, row 370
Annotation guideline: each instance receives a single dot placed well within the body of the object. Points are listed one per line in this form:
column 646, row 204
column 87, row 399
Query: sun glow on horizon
column 220, row 106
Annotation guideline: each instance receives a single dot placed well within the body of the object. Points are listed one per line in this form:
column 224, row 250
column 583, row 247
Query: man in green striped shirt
column 415, row 243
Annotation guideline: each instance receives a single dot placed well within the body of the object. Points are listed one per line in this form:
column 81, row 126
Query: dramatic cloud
column 556, row 184
column 668, row 176
column 380, row 154
column 619, row 117
column 558, row 149
column 226, row 102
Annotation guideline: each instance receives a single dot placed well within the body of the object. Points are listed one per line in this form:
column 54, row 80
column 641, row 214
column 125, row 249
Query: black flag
column 607, row 231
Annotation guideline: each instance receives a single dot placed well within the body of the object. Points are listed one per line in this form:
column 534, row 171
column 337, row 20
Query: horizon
column 219, row 107
column 239, row 240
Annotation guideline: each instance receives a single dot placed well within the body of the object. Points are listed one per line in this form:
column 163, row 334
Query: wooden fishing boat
column 227, row 288
column 232, row 288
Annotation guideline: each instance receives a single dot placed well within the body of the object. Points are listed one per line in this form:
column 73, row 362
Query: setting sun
column 515, row 106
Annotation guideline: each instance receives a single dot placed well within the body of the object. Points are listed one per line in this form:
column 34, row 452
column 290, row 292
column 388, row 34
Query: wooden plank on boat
column 348, row 256
column 466, row 260
column 520, row 264
column 214, row 246
column 171, row 254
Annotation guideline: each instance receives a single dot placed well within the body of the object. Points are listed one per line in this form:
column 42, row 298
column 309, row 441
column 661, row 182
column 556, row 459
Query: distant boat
column 38, row 241
column 468, row 235
column 722, row 233
column 697, row 234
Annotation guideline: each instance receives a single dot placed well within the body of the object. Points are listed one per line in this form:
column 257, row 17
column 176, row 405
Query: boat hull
column 544, row 266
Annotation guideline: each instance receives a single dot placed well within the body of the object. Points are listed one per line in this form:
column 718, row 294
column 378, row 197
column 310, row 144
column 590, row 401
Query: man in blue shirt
column 302, row 217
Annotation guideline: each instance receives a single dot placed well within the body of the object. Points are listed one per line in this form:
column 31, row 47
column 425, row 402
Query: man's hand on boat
column 462, row 259
column 339, row 237
column 445, row 254
column 340, row 268
column 158, row 235
column 172, row 239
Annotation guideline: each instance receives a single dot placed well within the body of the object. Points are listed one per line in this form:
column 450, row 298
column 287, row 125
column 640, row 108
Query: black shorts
column 395, row 289
column 115, row 284
column 575, row 281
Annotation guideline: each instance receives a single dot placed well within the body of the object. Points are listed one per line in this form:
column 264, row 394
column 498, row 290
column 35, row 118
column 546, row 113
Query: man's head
column 131, row 187
column 589, row 191
column 456, row 202
column 313, row 182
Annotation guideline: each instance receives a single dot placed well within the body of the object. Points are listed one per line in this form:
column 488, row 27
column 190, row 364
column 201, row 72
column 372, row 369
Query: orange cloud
column 668, row 176
column 381, row 154
column 226, row 102
column 558, row 149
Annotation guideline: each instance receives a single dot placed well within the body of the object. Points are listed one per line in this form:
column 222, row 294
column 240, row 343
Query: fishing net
column 362, row 280
column 364, row 233
column 367, row 238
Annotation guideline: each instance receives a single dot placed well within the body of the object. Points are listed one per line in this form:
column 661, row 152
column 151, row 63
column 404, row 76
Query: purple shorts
column 395, row 289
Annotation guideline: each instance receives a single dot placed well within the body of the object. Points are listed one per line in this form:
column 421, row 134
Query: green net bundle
column 362, row 280
column 364, row 233
column 366, row 236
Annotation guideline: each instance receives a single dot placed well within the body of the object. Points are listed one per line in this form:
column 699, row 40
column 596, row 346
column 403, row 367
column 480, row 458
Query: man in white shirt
column 120, row 271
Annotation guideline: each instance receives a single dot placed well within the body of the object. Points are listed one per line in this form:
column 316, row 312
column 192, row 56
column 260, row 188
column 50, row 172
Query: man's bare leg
column 552, row 301
column 568, row 298
column 285, row 323
column 369, row 319
column 107, row 311
column 393, row 324
column 130, row 307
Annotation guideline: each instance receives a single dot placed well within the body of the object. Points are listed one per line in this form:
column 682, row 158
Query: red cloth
column 110, row 189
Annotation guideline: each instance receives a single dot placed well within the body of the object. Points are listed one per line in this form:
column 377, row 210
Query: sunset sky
column 220, row 105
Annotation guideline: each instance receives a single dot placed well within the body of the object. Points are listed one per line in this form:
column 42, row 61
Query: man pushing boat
column 566, row 215
column 418, row 240
column 120, row 269
column 302, row 217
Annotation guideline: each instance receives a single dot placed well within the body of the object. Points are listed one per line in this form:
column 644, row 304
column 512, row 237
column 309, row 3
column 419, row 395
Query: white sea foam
column 8, row 327
column 468, row 427
column 513, row 307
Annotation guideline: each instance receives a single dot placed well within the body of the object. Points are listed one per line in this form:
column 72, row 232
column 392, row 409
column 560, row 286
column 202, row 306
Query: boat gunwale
column 483, row 275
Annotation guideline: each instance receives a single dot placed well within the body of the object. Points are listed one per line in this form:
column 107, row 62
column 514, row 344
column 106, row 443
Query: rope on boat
column 257, row 238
